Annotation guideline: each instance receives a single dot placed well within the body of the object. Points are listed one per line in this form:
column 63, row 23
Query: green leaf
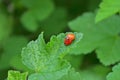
column 88, row 75
column 48, row 59
column 99, row 70
column 16, row 75
column 12, row 48
column 34, row 55
column 5, row 26
column 38, row 10
column 111, row 49
column 107, row 9
column 115, row 75
column 86, row 25
column 57, row 44
column 72, row 75
column 98, row 36
column 37, row 53
column 53, row 75
column 96, row 72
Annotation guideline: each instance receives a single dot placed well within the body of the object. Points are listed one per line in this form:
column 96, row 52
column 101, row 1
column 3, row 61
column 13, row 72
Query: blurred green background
column 23, row 20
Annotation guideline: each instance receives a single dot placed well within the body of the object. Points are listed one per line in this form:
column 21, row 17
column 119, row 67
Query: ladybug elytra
column 69, row 39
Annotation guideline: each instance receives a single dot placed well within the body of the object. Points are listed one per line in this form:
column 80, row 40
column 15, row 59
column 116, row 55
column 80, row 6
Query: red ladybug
column 69, row 38
column 67, row 41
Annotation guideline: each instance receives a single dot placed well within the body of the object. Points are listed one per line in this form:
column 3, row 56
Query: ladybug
column 69, row 39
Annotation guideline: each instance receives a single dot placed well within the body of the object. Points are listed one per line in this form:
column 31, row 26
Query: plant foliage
column 107, row 9
column 28, row 54
column 109, row 36
column 47, row 59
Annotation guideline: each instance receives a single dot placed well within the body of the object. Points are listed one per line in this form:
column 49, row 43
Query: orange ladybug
column 69, row 39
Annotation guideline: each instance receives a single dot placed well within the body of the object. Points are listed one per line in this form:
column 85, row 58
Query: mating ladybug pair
column 69, row 39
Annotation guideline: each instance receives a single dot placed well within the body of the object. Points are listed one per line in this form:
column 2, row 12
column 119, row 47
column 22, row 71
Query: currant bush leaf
column 38, row 10
column 115, row 75
column 33, row 55
column 97, row 72
column 72, row 75
column 47, row 60
column 54, row 75
column 87, row 75
column 86, row 25
column 98, row 36
column 100, row 70
column 111, row 48
column 107, row 9
column 57, row 44
column 16, row 75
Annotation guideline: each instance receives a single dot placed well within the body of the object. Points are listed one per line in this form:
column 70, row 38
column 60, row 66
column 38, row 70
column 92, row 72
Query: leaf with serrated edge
column 48, row 58
column 115, row 75
column 16, row 75
column 98, row 36
column 53, row 75
column 107, row 9
column 72, row 75
column 33, row 55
